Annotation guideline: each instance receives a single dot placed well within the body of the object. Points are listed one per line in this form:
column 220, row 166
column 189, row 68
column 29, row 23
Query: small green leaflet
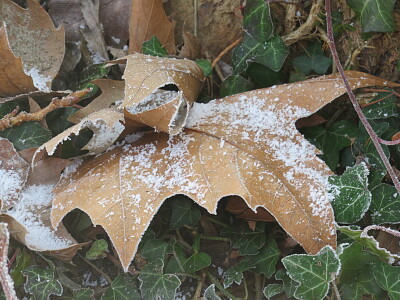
column 313, row 272
column 356, row 277
column 272, row 289
column 388, row 277
column 234, row 84
column 374, row 15
column 385, row 204
column 205, row 66
column 289, row 285
column 155, row 285
column 154, row 47
column 122, row 287
column 28, row 135
column 210, row 294
column 154, row 249
column 271, row 53
column 97, row 250
column 41, row 283
column 312, row 60
column 196, row 262
column 184, row 212
column 351, row 195
column 331, row 140
column 257, row 20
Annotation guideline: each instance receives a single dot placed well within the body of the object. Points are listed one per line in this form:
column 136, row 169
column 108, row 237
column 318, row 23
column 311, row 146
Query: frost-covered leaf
column 97, row 250
column 83, row 294
column 196, row 261
column 234, row 84
column 122, row 287
column 388, row 277
column 271, row 53
column 257, row 21
column 24, row 28
column 383, row 109
column 155, row 285
column 154, row 47
column 289, row 285
column 385, row 205
column 210, row 294
column 41, row 283
column 248, row 242
column 351, row 195
column 183, row 213
column 312, row 60
column 154, row 249
column 374, row 15
column 252, row 137
column 272, row 289
column 235, row 273
column 313, row 272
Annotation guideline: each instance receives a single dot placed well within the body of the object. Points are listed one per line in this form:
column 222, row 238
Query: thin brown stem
column 368, row 127
column 5, row 278
column 225, row 51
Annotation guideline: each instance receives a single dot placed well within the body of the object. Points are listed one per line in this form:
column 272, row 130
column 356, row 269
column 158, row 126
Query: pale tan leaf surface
column 33, row 37
column 148, row 18
column 111, row 91
column 106, row 125
column 14, row 172
column 245, row 145
column 145, row 100
column 33, row 108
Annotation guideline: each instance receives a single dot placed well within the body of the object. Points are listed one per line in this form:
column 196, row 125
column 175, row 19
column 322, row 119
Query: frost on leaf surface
column 245, row 145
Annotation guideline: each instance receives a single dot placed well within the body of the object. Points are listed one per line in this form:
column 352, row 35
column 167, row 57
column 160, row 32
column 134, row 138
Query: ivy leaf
column 154, row 249
column 155, row 285
column 263, row 76
column 385, row 204
column 382, row 109
column 272, row 289
column 235, row 273
column 257, row 21
column 28, row 135
column 205, row 66
column 313, row 272
column 313, row 60
column 81, row 294
column 210, row 294
column 265, row 261
column 154, row 47
column 183, row 213
column 41, row 283
column 356, row 277
column 374, row 15
column 331, row 140
column 91, row 73
column 352, row 197
column 271, row 53
column 98, row 249
column 197, row 262
column 388, row 277
column 122, row 287
column 23, row 261
column 234, row 84
column 57, row 120
column 289, row 285
column 248, row 242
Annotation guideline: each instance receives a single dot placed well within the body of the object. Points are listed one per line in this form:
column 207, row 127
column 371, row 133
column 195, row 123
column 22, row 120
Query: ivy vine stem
column 375, row 139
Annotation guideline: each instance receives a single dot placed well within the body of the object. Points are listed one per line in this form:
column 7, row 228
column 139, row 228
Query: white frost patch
column 10, row 185
column 36, row 200
column 104, row 135
column 155, row 99
column 39, row 80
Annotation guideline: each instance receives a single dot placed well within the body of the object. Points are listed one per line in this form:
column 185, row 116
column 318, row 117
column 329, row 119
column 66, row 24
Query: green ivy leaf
column 367, row 241
column 41, row 283
column 351, row 195
column 205, row 66
column 184, row 212
column 91, row 73
column 388, row 277
column 385, row 204
column 382, row 109
column 28, row 135
column 154, row 47
column 235, row 273
column 331, row 140
column 234, row 84
column 374, row 15
column 312, row 60
column 197, row 262
column 257, row 21
column 263, row 76
column 57, row 120
column 80, row 294
column 313, row 272
column 97, row 250
column 154, row 249
column 23, row 261
column 356, row 277
column 272, row 289
column 122, row 287
column 248, row 242
column 210, row 294
column 155, row 285
column 271, row 53
column 289, row 285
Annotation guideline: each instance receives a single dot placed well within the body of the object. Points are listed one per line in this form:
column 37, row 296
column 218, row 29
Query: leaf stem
column 217, row 222
column 213, row 238
column 101, row 272
column 220, row 287
column 375, row 139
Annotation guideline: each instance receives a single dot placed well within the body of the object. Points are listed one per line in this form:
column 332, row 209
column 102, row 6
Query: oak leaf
column 245, row 145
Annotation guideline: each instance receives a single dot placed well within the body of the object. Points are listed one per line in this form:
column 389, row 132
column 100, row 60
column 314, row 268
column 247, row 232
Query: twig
column 5, row 278
column 101, row 272
column 225, row 51
column 14, row 119
column 335, row 288
column 377, row 227
column 375, row 139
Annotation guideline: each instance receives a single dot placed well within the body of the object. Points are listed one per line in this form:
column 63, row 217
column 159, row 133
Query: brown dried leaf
column 33, row 37
column 145, row 100
column 13, row 80
column 245, row 145
column 148, row 18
